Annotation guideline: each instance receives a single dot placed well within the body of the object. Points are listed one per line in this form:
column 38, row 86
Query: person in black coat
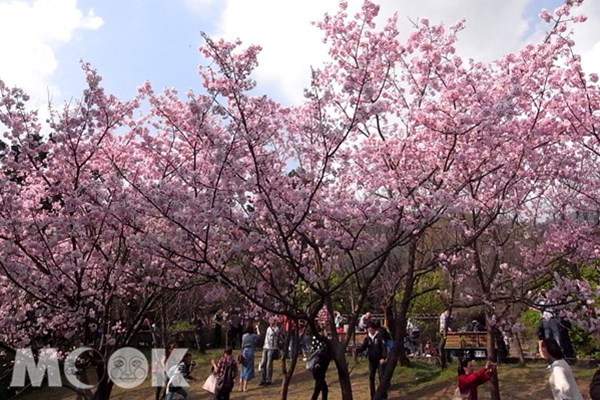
column 374, row 346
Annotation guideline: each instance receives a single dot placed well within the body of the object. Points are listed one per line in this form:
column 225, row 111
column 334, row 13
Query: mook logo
column 127, row 367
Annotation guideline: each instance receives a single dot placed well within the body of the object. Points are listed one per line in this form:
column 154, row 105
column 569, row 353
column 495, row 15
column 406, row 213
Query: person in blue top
column 250, row 341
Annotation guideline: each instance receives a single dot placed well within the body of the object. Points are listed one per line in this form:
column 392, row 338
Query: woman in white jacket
column 562, row 382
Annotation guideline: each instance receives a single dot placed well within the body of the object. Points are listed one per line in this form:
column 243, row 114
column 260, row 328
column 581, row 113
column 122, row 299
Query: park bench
column 461, row 343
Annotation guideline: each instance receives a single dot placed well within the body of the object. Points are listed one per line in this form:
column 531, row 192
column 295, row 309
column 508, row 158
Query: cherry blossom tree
column 74, row 267
column 397, row 143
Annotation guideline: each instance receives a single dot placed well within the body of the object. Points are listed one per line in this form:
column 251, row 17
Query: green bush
column 531, row 320
column 584, row 343
column 179, row 326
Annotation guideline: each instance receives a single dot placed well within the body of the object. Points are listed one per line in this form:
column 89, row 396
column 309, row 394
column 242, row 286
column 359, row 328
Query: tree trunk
column 105, row 385
column 520, row 350
column 339, row 357
column 398, row 353
column 391, row 318
column 491, row 353
column 103, row 392
column 288, row 373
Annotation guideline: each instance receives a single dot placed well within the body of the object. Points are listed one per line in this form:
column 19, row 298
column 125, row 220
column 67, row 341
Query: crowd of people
column 376, row 347
column 227, row 369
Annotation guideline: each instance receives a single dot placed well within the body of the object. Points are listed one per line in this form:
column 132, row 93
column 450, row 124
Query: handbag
column 458, row 395
column 313, row 359
column 210, row 385
column 276, row 354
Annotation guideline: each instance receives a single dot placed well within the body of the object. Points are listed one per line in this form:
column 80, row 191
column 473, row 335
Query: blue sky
column 130, row 41
column 156, row 40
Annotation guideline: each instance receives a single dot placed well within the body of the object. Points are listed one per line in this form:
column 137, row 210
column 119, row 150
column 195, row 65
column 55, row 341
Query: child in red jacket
column 468, row 379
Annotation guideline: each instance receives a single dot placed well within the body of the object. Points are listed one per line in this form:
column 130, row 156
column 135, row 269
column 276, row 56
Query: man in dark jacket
column 374, row 346
column 595, row 386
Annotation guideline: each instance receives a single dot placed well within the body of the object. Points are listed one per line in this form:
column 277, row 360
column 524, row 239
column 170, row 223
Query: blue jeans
column 551, row 330
column 266, row 365
column 180, row 390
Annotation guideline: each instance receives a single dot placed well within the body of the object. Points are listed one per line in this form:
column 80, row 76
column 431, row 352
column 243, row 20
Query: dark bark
column 293, row 337
column 398, row 353
column 339, row 357
column 391, row 318
column 520, row 350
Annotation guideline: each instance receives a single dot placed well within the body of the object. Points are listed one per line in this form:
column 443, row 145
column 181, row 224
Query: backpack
column 313, row 360
column 389, row 345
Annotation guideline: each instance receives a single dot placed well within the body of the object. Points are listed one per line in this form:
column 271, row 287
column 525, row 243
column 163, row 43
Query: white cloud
column 591, row 59
column 31, row 33
column 493, row 28
column 586, row 37
column 198, row 4
column 291, row 44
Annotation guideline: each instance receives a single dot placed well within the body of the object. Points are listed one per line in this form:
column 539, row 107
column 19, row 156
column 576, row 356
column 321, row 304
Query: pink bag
column 211, row 384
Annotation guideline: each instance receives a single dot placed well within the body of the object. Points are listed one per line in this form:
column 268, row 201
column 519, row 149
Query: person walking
column 562, row 382
column 549, row 323
column 318, row 362
column 268, row 354
column 374, row 346
column 469, row 379
column 250, row 340
column 225, row 370
column 218, row 323
column 178, row 374
column 235, row 326
column 160, row 370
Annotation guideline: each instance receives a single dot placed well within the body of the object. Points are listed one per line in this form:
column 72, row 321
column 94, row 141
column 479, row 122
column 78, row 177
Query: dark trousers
column 217, row 337
column 375, row 368
column 233, row 337
column 223, row 395
column 320, row 383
